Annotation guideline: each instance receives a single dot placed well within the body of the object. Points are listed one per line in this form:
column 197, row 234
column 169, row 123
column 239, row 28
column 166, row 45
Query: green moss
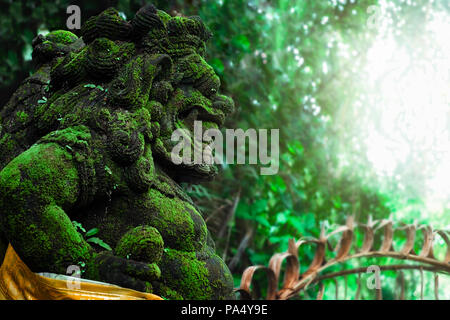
column 61, row 36
column 74, row 139
column 165, row 18
column 51, row 113
column 183, row 271
column 39, row 165
column 45, row 177
column 22, row 116
column 151, row 271
column 107, row 24
column 104, row 46
column 71, row 69
column 142, row 243
column 178, row 222
column 168, row 293
column 132, row 87
column 8, row 143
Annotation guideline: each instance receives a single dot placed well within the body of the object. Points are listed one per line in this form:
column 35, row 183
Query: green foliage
column 89, row 235
column 43, row 100
column 99, row 242
column 78, row 226
column 271, row 59
column 91, row 232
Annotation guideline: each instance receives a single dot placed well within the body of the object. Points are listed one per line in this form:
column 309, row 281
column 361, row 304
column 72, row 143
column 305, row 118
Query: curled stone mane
column 115, row 80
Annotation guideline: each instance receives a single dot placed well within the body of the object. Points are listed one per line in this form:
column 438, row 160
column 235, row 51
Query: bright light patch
column 409, row 87
column 324, row 67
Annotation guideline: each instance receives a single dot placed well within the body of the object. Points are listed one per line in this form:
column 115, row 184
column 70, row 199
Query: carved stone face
column 195, row 98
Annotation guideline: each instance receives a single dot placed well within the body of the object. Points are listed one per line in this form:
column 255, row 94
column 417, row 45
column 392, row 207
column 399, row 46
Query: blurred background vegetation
column 343, row 80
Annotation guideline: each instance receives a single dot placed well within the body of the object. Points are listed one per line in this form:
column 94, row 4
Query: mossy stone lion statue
column 87, row 138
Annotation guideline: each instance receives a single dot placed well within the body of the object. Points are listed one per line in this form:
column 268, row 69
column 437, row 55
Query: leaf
column 262, row 220
column 78, row 225
column 91, row 232
column 278, row 185
column 43, row 100
column 90, row 85
column 337, row 202
column 309, row 220
column 108, row 170
column 243, row 211
column 12, row 59
column 282, row 217
column 218, row 66
column 241, row 42
column 259, row 206
column 296, row 223
column 99, row 242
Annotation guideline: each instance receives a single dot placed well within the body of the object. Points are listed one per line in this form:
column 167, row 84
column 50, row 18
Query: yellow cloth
column 18, row 282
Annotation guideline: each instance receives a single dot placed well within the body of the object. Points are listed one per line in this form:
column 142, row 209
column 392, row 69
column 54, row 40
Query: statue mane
column 115, row 80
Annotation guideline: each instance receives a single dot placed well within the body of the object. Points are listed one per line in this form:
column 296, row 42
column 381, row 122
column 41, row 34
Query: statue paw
column 124, row 272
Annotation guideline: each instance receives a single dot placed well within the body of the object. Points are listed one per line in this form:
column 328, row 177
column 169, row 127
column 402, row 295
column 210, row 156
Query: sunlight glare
column 409, row 99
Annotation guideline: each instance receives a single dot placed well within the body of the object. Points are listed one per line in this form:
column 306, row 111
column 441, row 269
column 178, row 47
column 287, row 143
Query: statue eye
column 209, row 92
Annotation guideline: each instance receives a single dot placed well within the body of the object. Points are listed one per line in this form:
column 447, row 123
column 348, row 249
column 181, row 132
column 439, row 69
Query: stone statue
column 86, row 140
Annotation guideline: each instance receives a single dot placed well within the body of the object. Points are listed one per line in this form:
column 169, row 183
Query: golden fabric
column 18, row 282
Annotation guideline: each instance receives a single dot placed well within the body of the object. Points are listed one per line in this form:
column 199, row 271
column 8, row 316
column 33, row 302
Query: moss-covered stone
column 61, row 36
column 142, row 243
column 87, row 138
column 187, row 275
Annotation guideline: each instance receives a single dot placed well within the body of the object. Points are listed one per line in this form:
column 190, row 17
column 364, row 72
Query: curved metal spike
column 294, row 281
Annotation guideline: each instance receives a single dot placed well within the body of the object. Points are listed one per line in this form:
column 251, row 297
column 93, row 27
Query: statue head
column 137, row 81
